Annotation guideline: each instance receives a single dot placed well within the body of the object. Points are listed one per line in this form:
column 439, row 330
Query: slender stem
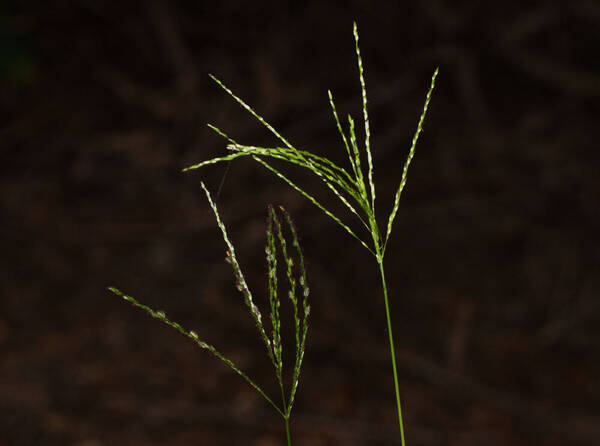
column 392, row 352
column 287, row 430
column 286, row 415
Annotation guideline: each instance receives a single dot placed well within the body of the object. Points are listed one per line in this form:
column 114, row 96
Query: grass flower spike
column 277, row 246
column 352, row 186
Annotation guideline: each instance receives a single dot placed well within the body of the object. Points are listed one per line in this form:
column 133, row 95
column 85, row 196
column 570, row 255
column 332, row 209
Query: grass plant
column 354, row 186
column 298, row 293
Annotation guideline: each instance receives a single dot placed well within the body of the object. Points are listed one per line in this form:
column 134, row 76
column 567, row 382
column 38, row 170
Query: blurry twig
column 309, row 425
column 449, row 19
column 558, row 74
column 578, row 430
column 467, row 75
column 159, row 105
column 178, row 98
column 162, row 18
column 528, row 24
column 575, row 313
column 574, row 429
column 589, row 9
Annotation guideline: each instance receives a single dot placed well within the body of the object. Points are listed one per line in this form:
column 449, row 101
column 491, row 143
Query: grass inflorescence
column 298, row 293
column 354, row 187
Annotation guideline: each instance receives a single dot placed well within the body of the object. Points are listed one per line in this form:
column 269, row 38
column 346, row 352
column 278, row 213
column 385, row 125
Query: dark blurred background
column 492, row 265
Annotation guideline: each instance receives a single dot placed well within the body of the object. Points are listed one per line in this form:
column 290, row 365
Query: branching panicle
column 275, row 236
column 354, row 188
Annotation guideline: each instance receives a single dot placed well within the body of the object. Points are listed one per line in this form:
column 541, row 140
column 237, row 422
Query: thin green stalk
column 287, row 431
column 392, row 349
column 379, row 257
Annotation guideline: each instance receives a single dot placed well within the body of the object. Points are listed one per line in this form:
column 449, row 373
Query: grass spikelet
column 409, row 158
column 239, row 276
column 363, row 89
column 344, row 139
column 273, row 297
column 194, row 337
column 301, row 325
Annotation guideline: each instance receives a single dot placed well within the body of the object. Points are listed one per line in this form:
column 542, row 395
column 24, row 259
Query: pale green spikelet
column 240, row 280
column 366, row 117
column 194, row 337
column 274, row 298
column 344, row 139
column 409, row 158
column 301, row 325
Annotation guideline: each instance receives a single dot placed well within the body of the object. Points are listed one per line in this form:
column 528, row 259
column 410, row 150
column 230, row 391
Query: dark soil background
column 493, row 264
